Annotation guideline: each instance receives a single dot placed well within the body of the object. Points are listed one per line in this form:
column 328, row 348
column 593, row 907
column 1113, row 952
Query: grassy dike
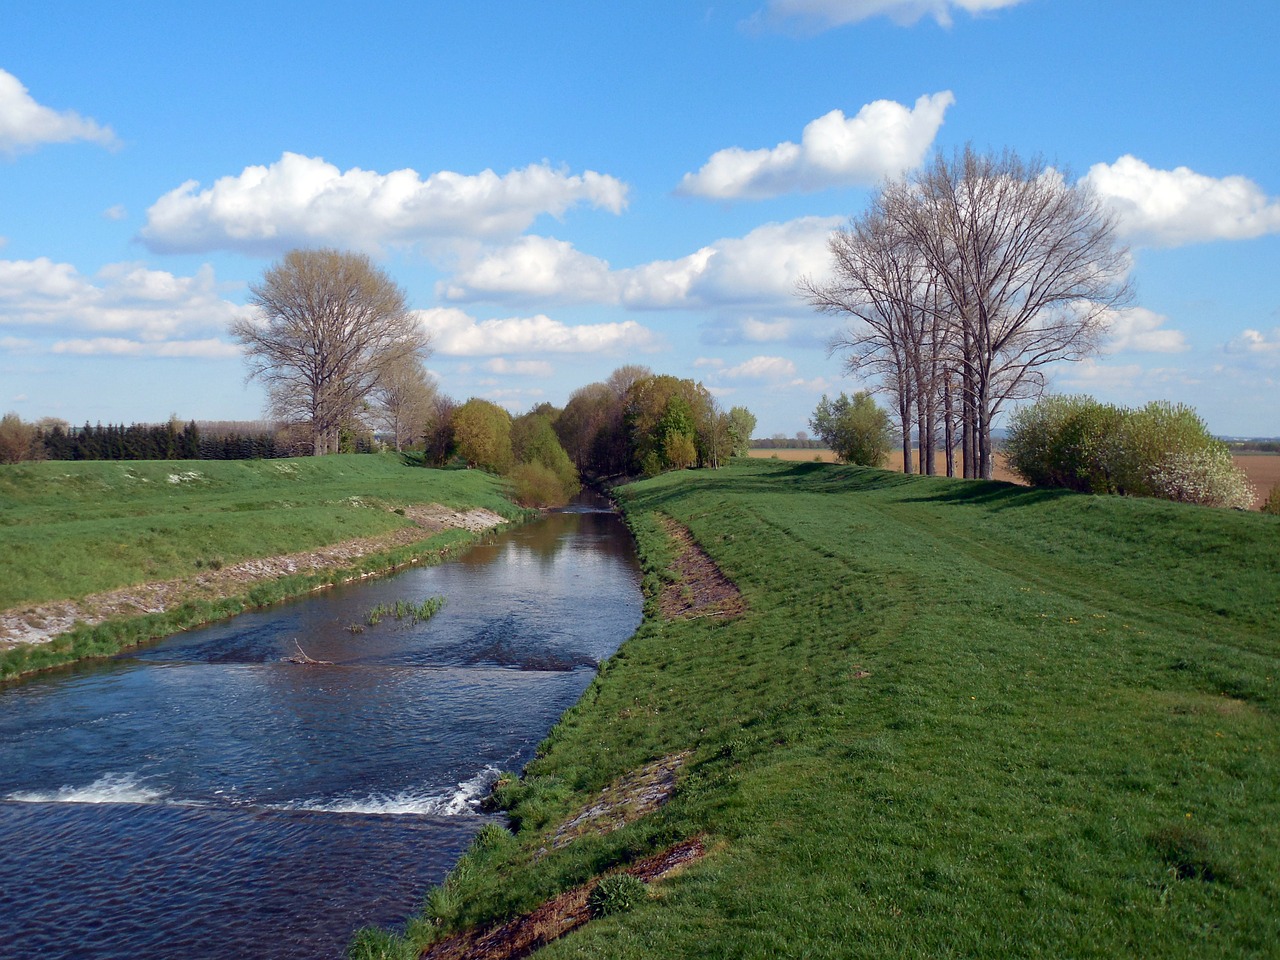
column 957, row 719
column 72, row 529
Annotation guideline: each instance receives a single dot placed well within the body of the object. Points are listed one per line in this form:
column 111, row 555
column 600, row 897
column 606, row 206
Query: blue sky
column 564, row 187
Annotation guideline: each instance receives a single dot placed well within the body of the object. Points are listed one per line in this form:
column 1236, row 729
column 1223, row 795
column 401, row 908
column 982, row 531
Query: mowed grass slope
column 959, row 719
column 69, row 529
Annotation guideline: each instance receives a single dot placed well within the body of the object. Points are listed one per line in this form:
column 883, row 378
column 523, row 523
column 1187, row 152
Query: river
column 204, row 798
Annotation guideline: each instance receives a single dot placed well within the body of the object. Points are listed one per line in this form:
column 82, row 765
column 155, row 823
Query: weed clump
column 405, row 610
column 616, row 893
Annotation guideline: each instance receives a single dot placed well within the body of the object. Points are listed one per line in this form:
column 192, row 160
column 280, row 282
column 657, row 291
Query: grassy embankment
column 957, row 719
column 71, row 529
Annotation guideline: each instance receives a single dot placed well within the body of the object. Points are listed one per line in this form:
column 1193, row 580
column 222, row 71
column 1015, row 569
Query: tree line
column 52, row 439
column 963, row 281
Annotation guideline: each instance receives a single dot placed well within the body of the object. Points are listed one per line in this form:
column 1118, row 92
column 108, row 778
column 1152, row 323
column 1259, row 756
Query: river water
column 204, row 798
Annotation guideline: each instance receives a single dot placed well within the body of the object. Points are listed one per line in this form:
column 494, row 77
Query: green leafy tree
column 657, row 406
column 742, row 423
column 482, row 433
column 534, row 442
column 855, row 429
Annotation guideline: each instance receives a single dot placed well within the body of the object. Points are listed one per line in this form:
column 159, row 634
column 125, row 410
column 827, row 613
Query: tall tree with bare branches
column 966, row 279
column 404, row 401
column 1030, row 266
column 329, row 327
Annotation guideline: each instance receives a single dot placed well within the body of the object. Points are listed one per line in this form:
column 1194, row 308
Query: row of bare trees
column 963, row 281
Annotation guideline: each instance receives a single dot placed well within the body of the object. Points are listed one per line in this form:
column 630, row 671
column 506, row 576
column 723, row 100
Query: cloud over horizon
column 455, row 333
column 1141, row 330
column 884, row 139
column 306, row 200
column 26, row 124
column 126, row 300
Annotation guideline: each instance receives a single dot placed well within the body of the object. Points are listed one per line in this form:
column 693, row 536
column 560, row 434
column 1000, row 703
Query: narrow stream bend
column 205, row 798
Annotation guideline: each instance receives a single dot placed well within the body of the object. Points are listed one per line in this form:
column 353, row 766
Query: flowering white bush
column 1206, row 476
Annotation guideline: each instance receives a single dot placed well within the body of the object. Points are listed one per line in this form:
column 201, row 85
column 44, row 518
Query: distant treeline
column 168, row 441
column 787, row 443
column 1254, row 446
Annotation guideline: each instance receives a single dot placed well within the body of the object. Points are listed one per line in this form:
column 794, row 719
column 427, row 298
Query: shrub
column 616, row 893
column 535, row 485
column 855, row 428
column 1162, row 450
column 1272, row 504
column 1207, row 476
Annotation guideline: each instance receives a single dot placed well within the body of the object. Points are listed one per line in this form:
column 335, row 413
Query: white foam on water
column 109, row 788
column 462, row 800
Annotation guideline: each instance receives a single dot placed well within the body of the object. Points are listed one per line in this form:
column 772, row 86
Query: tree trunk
column 948, row 419
column 904, row 417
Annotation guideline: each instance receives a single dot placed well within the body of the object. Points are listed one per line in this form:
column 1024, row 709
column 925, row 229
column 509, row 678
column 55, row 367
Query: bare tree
column 966, row 279
column 330, row 326
column 403, row 401
column 881, row 281
column 1028, row 265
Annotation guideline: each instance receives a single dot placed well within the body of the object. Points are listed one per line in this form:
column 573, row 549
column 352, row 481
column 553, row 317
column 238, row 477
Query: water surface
column 202, row 797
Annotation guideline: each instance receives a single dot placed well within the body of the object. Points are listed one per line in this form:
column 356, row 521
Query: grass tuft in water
column 405, row 610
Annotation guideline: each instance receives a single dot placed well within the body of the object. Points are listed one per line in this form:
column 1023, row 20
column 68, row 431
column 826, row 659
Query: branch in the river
column 303, row 658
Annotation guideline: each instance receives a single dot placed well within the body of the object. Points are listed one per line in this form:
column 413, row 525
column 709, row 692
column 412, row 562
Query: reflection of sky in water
column 410, row 717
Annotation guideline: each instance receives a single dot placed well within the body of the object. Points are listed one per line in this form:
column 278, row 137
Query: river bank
column 175, row 554
column 946, row 717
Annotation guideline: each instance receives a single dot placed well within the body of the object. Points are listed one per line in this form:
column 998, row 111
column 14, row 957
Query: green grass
column 959, row 719
column 69, row 529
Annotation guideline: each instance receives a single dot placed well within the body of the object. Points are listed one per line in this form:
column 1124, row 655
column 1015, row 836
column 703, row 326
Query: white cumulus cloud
column 1256, row 348
column 824, row 14
column 1169, row 208
column 123, row 299
column 759, row 268
column 458, row 334
column 26, row 124
column 883, row 139
column 1142, row 330
column 305, row 200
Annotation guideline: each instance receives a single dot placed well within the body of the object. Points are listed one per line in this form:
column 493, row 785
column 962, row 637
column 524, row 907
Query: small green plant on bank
column 617, row 893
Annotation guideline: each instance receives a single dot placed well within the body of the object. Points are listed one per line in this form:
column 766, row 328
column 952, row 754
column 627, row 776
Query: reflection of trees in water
column 592, row 531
